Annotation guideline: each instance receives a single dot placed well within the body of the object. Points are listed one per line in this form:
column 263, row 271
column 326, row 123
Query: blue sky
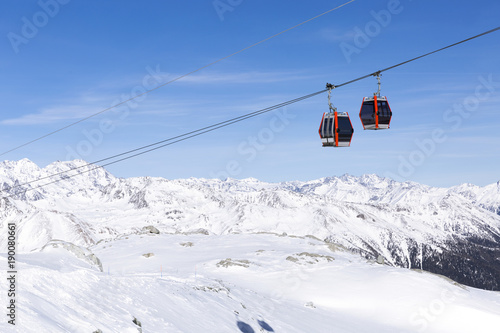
column 64, row 60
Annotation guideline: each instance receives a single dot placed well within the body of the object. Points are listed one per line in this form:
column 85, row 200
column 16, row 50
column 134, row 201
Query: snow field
column 200, row 283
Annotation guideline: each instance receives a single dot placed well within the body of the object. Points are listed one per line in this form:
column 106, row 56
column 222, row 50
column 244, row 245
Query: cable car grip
column 330, row 86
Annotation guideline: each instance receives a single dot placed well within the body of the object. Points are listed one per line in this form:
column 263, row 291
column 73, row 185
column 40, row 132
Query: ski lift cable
column 416, row 58
column 175, row 79
column 163, row 143
column 191, row 134
column 181, row 137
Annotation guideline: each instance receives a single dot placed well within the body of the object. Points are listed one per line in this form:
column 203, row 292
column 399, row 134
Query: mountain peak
column 20, row 164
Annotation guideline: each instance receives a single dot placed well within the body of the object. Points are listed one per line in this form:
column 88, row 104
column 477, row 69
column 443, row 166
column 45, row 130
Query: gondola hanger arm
column 329, row 87
column 377, row 75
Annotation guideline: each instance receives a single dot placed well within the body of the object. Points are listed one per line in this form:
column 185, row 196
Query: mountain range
column 453, row 231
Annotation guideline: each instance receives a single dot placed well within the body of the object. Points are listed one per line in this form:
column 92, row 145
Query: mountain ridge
column 450, row 231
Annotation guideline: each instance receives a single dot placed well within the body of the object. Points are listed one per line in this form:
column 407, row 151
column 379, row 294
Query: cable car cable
column 416, row 58
column 175, row 79
column 178, row 138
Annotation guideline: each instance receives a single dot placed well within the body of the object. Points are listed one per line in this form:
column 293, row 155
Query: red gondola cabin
column 375, row 113
column 336, row 129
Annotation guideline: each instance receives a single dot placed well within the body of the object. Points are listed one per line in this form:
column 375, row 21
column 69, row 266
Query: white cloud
column 245, row 77
column 52, row 115
column 91, row 103
column 336, row 35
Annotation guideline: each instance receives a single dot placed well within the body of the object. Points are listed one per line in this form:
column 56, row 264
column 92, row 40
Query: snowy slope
column 454, row 232
column 237, row 283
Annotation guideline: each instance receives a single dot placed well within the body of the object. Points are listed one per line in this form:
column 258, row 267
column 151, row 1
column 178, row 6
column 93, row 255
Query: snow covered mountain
column 450, row 231
column 103, row 254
